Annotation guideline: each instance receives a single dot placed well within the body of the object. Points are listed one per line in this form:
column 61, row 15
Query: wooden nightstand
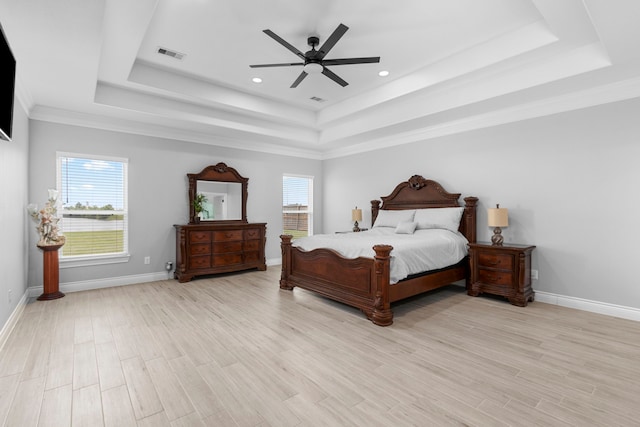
column 501, row 270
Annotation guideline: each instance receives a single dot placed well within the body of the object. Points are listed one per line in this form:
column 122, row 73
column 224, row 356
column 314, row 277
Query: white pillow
column 393, row 218
column 406, row 227
column 447, row 218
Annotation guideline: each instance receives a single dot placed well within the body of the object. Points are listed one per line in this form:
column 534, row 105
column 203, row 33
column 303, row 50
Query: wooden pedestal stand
column 51, row 273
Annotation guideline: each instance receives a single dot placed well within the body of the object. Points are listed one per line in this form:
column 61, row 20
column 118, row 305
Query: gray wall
column 158, row 190
column 569, row 181
column 14, row 177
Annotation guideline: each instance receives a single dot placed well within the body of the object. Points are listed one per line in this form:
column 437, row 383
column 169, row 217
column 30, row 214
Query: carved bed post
column 469, row 232
column 470, row 218
column 285, row 245
column 375, row 207
column 382, row 314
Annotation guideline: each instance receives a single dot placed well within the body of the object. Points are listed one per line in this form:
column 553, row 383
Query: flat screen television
column 7, row 87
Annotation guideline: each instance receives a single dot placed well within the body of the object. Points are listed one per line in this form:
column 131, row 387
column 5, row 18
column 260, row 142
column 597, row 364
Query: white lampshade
column 498, row 217
column 356, row 214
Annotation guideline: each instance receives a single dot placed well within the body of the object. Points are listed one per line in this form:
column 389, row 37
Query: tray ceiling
column 453, row 66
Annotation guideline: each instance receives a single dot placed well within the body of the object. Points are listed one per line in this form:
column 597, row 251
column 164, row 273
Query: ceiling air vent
column 171, row 53
column 317, row 99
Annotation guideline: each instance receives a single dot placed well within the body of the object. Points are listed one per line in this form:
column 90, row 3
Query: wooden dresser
column 209, row 248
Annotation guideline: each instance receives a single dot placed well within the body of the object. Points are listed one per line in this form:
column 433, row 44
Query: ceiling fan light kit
column 313, row 60
column 312, row 68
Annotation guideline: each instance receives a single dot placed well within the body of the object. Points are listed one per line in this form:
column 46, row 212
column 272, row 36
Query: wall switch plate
column 534, row 274
column 147, row 260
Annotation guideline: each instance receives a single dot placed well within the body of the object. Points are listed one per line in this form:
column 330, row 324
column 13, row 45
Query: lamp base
column 497, row 239
column 355, row 227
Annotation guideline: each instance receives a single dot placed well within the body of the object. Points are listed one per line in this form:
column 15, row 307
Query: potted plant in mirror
column 197, row 205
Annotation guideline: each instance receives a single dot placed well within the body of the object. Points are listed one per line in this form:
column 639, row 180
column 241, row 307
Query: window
column 297, row 205
column 93, row 194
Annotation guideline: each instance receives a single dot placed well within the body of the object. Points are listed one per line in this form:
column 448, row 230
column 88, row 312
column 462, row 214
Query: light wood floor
column 237, row 351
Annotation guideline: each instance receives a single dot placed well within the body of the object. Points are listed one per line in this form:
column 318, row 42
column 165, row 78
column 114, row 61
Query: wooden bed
column 364, row 282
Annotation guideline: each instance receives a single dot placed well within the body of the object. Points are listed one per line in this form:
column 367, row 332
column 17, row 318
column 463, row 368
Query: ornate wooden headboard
column 420, row 193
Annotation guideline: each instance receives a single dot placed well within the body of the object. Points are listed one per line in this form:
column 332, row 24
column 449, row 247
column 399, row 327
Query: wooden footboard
column 360, row 282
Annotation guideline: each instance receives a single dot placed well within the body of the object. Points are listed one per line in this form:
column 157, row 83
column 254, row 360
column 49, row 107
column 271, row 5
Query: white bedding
column 414, row 253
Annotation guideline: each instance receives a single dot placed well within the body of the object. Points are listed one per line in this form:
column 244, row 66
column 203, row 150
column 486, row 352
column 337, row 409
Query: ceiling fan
column 313, row 60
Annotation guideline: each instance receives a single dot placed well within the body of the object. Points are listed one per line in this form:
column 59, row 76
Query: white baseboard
column 109, row 282
column 614, row 310
column 274, row 261
column 13, row 319
column 85, row 285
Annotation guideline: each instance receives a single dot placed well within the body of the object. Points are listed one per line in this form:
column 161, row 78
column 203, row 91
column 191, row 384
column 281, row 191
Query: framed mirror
column 221, row 193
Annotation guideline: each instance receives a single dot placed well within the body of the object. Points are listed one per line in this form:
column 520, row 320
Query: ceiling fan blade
column 333, row 76
column 299, row 79
column 285, row 64
column 331, row 41
column 347, row 61
column 284, row 43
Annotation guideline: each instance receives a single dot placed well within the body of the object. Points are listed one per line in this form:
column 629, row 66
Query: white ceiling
column 454, row 65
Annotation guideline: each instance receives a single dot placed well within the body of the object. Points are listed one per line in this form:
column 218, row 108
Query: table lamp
column 498, row 217
column 356, row 215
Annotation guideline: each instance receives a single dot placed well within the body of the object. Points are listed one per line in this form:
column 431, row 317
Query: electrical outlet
column 534, row 274
column 147, row 260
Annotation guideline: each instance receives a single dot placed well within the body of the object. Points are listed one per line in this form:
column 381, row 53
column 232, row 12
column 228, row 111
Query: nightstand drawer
column 495, row 277
column 495, row 260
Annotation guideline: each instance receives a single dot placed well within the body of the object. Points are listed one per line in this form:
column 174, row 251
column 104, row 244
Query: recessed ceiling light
column 256, row 80
column 383, row 73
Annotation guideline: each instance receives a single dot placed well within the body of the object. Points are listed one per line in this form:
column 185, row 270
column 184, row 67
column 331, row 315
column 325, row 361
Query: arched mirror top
column 217, row 193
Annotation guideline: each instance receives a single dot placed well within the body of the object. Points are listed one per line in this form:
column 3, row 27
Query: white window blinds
column 93, row 193
column 297, row 205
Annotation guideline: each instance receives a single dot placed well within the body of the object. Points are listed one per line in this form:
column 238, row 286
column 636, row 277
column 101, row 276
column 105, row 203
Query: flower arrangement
column 47, row 219
column 198, row 201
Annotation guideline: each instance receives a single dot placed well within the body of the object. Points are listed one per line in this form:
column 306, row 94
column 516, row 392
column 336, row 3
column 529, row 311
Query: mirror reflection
column 223, row 200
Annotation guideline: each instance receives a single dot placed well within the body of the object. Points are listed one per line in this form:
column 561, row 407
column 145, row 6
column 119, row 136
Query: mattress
column 422, row 251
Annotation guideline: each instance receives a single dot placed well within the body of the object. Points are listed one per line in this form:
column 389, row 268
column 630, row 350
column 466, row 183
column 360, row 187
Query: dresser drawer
column 252, row 256
column 493, row 260
column 252, row 245
column 495, row 277
column 222, row 247
column 200, row 249
column 199, row 236
column 222, row 236
column 197, row 262
column 252, row 233
column 227, row 259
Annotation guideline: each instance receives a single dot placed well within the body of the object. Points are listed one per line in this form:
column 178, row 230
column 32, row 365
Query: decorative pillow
column 393, row 218
column 406, row 227
column 447, row 218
